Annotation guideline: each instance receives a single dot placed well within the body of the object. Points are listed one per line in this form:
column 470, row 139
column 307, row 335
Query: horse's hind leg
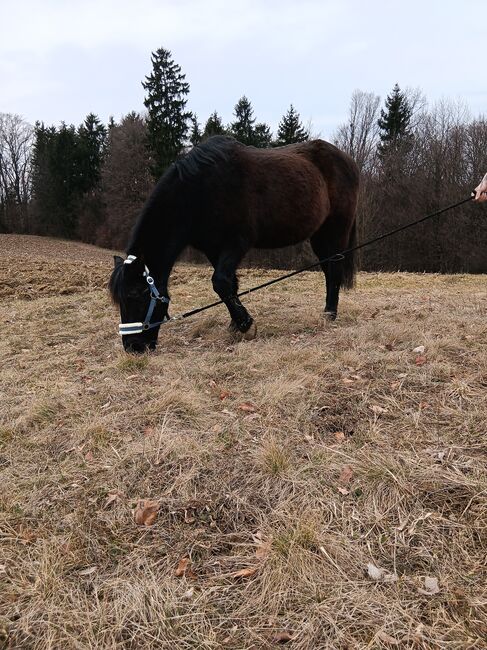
column 333, row 283
column 225, row 285
column 324, row 246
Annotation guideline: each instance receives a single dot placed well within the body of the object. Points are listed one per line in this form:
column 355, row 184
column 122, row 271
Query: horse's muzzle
column 139, row 347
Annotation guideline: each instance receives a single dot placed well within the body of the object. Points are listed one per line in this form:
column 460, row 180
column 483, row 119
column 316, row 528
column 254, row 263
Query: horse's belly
column 288, row 202
column 286, row 222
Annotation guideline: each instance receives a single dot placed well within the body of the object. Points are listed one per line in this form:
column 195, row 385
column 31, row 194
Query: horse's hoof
column 330, row 315
column 251, row 333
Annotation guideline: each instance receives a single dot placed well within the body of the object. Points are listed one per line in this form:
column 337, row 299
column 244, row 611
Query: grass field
column 323, row 486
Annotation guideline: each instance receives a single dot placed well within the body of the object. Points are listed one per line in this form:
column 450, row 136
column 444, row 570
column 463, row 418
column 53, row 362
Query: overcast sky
column 61, row 59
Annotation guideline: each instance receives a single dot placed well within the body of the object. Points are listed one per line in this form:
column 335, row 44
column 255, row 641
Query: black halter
column 155, row 297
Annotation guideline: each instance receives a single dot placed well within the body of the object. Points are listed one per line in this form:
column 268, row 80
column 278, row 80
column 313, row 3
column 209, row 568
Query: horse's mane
column 210, row 152
column 115, row 284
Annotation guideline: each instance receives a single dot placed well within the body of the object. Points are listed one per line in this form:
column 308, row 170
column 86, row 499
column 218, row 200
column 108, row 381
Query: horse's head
column 142, row 307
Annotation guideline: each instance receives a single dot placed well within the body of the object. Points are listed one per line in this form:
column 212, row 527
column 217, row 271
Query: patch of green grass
column 131, row 363
column 303, row 536
column 45, row 413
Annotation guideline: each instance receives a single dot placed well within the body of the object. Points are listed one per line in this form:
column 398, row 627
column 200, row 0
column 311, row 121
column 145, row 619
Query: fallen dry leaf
column 88, row 572
column 419, row 350
column 244, row 573
column 343, row 491
column 262, row 550
column 229, row 413
column 386, row 638
column 282, row 637
column 421, row 360
column 379, row 574
column 183, row 568
column 339, row 436
column 346, row 475
column 431, row 587
column 111, row 498
column 248, row 407
column 224, row 394
column 145, row 513
column 378, row 410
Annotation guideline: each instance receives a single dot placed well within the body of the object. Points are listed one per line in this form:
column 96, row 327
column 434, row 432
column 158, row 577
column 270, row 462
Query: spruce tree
column 213, row 126
column 245, row 130
column 290, row 129
column 262, row 136
column 394, row 122
column 92, row 135
column 243, row 127
column 56, row 179
column 195, row 135
column 168, row 118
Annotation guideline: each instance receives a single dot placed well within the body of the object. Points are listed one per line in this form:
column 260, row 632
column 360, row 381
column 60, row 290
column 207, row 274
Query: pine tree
column 195, row 135
column 290, row 129
column 394, row 122
column 166, row 101
column 213, row 126
column 262, row 136
column 243, row 127
column 92, row 135
column 56, row 179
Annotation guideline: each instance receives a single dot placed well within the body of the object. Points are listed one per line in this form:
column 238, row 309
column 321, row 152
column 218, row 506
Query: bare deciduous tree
column 358, row 136
column 16, row 138
column 126, row 179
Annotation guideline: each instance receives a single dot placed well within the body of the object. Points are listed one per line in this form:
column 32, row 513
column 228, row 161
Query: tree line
column 90, row 182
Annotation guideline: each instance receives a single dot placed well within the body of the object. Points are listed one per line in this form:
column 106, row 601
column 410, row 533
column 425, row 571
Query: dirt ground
column 323, row 486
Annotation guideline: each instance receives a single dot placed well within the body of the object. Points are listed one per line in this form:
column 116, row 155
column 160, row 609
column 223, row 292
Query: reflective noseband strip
column 130, row 328
column 130, row 259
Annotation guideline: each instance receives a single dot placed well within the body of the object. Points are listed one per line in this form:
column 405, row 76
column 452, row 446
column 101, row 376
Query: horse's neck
column 159, row 237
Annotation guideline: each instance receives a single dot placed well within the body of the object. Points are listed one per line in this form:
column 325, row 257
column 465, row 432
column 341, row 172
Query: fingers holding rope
column 481, row 191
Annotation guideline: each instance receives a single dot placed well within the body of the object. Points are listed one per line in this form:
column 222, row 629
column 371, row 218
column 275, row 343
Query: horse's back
column 273, row 197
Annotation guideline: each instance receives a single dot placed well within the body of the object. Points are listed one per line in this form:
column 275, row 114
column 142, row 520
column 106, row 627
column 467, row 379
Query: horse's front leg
column 225, row 285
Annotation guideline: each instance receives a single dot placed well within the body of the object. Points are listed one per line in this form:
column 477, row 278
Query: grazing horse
column 224, row 198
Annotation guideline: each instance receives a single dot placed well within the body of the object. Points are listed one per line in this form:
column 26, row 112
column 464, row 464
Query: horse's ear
column 117, row 261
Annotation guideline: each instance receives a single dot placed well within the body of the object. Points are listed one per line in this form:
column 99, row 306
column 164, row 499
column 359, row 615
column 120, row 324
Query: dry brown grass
column 354, row 455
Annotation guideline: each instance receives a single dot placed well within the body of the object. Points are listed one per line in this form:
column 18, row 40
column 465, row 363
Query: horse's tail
column 349, row 265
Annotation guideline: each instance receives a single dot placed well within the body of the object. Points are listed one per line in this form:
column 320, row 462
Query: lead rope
column 333, row 258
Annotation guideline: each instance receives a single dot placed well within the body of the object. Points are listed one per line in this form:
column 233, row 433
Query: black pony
column 224, row 198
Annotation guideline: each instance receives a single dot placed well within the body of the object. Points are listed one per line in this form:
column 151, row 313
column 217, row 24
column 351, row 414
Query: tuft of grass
column 131, row 363
column 274, row 458
column 302, row 535
column 6, row 435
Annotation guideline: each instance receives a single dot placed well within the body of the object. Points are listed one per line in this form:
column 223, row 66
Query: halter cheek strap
column 155, row 297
